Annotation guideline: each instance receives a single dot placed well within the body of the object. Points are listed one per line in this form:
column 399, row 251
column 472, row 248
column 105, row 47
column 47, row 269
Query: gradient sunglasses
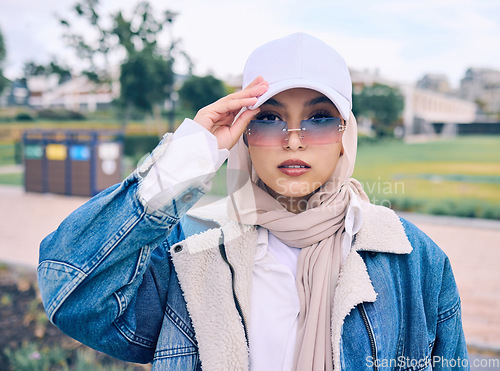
column 268, row 133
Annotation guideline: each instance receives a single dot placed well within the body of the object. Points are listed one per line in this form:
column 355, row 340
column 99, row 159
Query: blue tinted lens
column 321, row 131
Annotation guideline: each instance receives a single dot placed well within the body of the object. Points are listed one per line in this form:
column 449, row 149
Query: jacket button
column 187, row 197
column 177, row 248
column 203, row 163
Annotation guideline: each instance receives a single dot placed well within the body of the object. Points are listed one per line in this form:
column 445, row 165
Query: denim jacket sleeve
column 449, row 350
column 103, row 274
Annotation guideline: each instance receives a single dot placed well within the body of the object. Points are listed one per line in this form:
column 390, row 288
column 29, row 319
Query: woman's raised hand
column 218, row 117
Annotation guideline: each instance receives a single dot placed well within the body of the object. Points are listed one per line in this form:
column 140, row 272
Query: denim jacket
column 166, row 286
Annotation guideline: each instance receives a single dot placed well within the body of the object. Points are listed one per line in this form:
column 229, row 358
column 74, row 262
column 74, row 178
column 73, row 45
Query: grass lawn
column 459, row 176
column 12, row 179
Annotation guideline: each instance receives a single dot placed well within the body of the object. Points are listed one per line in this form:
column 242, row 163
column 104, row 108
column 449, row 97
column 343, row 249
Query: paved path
column 11, row 169
column 473, row 247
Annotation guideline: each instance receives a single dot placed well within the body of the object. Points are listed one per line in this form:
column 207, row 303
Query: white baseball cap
column 301, row 61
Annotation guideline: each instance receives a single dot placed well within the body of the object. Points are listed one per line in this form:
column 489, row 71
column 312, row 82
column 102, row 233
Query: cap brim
column 338, row 99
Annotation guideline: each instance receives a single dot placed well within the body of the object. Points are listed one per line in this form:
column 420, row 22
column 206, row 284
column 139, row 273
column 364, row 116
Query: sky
column 401, row 39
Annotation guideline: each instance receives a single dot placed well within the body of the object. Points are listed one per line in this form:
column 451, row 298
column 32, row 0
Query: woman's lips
column 294, row 167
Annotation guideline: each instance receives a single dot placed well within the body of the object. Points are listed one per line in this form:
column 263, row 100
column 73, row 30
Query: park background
column 426, row 84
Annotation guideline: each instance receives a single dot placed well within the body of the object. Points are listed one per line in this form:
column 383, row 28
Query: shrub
column 24, row 116
column 467, row 208
column 60, row 114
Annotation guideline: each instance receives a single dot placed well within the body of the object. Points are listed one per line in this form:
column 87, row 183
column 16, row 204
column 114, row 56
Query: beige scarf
column 318, row 231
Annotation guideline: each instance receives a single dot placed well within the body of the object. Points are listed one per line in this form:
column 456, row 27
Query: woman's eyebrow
column 318, row 100
column 274, row 102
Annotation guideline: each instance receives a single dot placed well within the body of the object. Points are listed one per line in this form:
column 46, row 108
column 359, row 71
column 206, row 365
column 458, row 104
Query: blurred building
column 436, row 82
column 482, row 85
column 360, row 79
column 428, row 102
column 77, row 94
column 426, row 108
column 16, row 93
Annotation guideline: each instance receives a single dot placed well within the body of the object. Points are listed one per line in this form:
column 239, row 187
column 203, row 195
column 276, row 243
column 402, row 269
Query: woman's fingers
column 219, row 116
column 227, row 136
column 256, row 81
column 244, row 98
column 236, row 104
column 255, row 89
column 241, row 123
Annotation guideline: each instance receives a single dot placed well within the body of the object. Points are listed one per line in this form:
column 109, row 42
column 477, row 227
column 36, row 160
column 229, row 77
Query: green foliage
column 146, row 75
column 146, row 69
column 383, row 104
column 467, row 208
column 366, row 140
column 3, row 54
column 5, row 300
column 24, row 116
column 31, row 68
column 60, row 114
column 33, row 357
column 30, row 357
column 197, row 92
column 137, row 146
column 144, row 80
column 87, row 360
column 90, row 52
column 3, row 51
column 54, row 67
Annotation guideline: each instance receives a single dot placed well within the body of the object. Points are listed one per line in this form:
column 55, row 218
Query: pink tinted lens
column 265, row 133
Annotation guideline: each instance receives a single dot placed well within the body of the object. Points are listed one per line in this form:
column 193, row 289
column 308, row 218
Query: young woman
column 294, row 270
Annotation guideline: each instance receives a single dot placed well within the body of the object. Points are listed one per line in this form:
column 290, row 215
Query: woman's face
column 295, row 169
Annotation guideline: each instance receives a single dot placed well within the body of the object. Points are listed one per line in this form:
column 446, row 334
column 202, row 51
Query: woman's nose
column 294, row 140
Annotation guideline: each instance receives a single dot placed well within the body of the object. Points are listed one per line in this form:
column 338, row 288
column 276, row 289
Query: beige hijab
column 318, row 231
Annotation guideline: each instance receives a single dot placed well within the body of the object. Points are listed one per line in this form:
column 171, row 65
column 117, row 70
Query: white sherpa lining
column 206, row 280
column 382, row 231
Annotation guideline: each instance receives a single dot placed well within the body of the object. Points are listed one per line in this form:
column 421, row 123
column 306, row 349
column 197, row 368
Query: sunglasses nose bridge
column 290, row 132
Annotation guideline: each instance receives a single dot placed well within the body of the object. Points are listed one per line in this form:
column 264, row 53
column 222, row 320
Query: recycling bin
column 72, row 162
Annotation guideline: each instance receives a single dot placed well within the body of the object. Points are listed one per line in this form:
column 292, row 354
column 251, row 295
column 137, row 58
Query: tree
column 383, row 104
column 146, row 73
column 197, row 92
column 143, row 79
column 94, row 53
column 3, row 54
column 54, row 67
